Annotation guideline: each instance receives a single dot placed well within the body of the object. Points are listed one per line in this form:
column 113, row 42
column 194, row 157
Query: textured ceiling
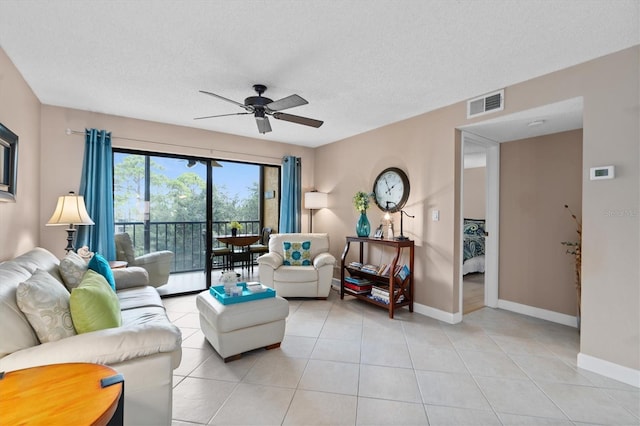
column 360, row 64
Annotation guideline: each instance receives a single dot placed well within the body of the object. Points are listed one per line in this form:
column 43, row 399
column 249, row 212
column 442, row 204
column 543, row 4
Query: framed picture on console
column 8, row 164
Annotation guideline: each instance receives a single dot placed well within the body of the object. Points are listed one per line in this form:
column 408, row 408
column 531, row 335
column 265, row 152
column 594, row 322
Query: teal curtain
column 96, row 185
column 291, row 204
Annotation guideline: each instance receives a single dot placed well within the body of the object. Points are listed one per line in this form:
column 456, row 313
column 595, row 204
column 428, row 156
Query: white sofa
column 298, row 281
column 145, row 349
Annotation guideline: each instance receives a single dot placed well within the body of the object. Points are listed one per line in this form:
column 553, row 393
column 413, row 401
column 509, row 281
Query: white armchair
column 312, row 279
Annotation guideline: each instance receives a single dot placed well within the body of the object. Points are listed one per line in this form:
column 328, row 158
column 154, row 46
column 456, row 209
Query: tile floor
column 346, row 363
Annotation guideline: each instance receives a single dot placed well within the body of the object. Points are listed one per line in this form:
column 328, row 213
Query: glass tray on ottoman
column 246, row 296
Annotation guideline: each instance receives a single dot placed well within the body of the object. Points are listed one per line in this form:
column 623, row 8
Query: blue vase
column 363, row 228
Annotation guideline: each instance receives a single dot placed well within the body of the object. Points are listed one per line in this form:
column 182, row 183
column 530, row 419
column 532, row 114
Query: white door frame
column 492, row 184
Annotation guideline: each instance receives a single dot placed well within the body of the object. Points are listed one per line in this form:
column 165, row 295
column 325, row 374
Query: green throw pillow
column 297, row 253
column 94, row 305
column 101, row 266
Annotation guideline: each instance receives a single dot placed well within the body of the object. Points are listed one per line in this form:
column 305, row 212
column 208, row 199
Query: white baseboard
column 609, row 369
column 538, row 313
column 435, row 313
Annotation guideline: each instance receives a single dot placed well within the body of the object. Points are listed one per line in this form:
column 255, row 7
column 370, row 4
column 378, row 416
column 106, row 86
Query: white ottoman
column 241, row 327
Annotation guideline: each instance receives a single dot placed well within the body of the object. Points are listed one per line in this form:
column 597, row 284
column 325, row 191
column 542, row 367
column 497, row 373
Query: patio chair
column 157, row 263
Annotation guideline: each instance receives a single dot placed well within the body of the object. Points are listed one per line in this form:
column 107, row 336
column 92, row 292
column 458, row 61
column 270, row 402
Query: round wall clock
column 391, row 189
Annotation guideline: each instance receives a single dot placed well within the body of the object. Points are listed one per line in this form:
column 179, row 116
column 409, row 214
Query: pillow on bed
column 473, row 244
column 474, row 227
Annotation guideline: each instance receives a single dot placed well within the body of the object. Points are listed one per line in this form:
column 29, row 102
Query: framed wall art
column 8, row 164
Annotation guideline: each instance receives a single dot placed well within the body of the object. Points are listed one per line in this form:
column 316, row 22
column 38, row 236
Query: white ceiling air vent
column 485, row 104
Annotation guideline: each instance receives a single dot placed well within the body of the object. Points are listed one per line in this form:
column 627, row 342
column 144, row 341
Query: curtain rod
column 78, row 132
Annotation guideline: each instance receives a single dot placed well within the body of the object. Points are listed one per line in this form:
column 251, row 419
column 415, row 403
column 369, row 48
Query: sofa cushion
column 101, row 266
column 297, row 253
column 45, row 302
column 15, row 331
column 139, row 297
column 295, row 274
column 94, row 305
column 72, row 269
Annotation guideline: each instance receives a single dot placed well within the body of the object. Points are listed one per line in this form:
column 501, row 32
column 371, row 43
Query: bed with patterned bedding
column 473, row 245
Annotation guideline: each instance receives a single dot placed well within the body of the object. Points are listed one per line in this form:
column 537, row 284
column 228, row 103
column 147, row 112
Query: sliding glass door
column 183, row 204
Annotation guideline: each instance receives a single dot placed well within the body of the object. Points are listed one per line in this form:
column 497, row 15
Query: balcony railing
column 185, row 239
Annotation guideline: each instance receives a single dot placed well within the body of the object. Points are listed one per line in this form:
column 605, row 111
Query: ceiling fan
column 262, row 107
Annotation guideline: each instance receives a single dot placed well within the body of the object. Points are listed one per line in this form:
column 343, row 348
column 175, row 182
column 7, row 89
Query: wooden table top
column 238, row 240
column 58, row 394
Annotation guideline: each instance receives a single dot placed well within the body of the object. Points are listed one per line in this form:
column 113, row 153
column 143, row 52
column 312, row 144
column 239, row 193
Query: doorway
column 479, row 204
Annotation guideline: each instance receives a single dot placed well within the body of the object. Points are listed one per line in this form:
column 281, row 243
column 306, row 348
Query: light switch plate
column 435, row 215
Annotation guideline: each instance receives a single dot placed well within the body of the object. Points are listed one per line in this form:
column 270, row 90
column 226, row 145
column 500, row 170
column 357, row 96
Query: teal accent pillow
column 94, row 305
column 297, row 253
column 101, row 266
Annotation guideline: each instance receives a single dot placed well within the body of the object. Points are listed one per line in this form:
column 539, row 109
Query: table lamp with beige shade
column 71, row 211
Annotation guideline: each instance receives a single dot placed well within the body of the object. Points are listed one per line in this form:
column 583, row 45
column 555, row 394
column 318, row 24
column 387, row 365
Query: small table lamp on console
column 71, row 211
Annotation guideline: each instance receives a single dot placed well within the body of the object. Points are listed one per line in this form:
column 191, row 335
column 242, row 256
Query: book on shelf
column 358, row 289
column 371, row 269
column 385, row 271
column 355, row 265
column 357, row 280
column 403, row 272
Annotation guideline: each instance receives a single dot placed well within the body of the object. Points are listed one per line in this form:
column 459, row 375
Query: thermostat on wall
column 604, row 172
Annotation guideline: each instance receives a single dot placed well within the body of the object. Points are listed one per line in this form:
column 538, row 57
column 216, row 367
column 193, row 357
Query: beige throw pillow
column 45, row 303
column 72, row 269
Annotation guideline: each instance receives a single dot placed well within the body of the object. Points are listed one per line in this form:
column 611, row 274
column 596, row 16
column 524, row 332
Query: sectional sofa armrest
column 324, row 259
column 110, row 346
column 134, row 276
column 273, row 260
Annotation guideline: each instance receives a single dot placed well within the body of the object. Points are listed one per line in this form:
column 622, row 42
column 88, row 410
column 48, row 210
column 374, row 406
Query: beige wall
column 20, row 113
column 538, row 176
column 475, row 193
column 64, row 153
column 426, row 147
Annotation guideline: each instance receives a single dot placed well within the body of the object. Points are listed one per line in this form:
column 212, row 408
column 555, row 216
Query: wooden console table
column 62, row 394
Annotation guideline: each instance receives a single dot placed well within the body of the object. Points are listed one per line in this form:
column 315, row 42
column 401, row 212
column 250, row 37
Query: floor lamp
column 71, row 211
column 314, row 200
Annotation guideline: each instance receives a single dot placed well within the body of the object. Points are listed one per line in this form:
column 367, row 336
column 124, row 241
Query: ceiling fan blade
column 298, row 120
column 288, row 102
column 222, row 115
column 228, row 100
column 263, row 124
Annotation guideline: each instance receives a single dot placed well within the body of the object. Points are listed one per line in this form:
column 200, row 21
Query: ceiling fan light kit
column 261, row 107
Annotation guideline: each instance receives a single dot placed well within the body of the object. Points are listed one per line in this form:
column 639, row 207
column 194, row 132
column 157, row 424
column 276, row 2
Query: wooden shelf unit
column 396, row 286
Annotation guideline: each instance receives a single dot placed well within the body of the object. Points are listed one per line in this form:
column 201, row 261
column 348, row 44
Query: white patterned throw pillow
column 72, row 269
column 45, row 303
